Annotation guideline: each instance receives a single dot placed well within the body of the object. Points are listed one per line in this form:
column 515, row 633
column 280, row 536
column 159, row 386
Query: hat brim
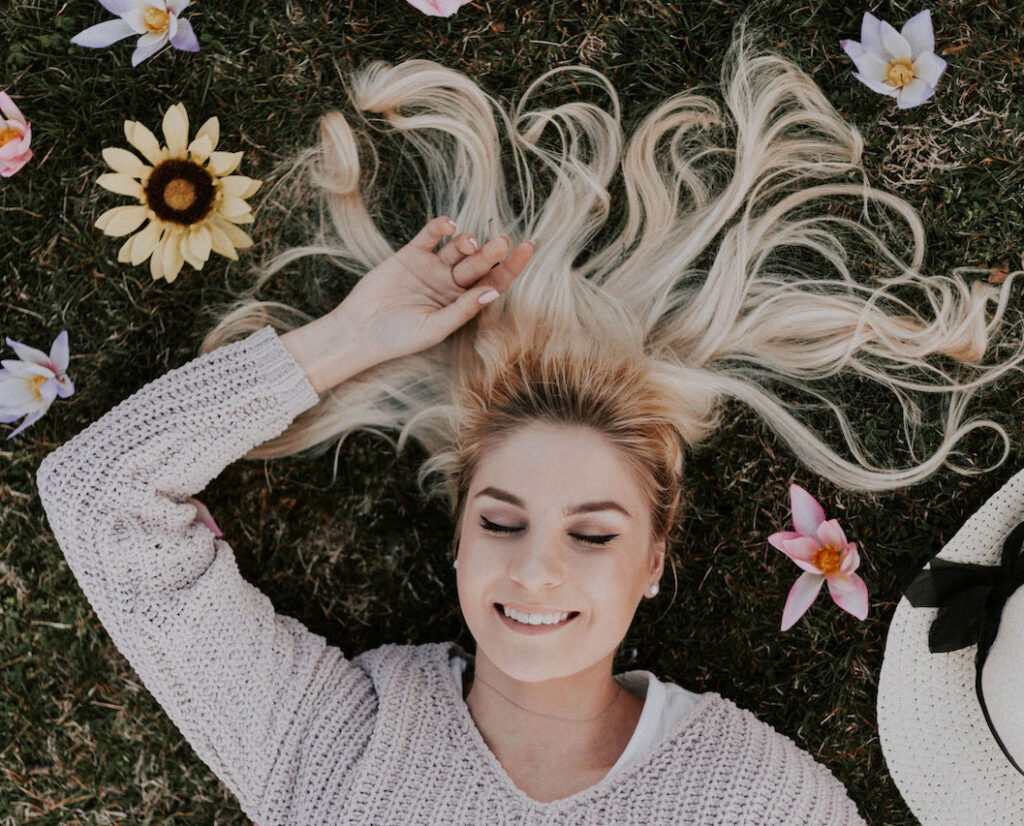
column 939, row 750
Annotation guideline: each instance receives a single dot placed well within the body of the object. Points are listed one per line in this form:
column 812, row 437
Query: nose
column 537, row 563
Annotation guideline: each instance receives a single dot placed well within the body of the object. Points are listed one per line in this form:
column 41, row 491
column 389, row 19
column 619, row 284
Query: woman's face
column 531, row 484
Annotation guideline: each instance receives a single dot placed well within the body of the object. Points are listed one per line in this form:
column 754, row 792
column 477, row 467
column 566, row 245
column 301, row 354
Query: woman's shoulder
column 734, row 740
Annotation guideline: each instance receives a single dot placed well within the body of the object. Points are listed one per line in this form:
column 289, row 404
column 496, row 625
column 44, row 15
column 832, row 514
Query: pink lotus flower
column 15, row 137
column 203, row 516
column 438, row 8
column 30, row 383
column 821, row 549
column 900, row 64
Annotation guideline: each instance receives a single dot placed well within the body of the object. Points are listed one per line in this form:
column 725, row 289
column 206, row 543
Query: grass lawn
column 361, row 559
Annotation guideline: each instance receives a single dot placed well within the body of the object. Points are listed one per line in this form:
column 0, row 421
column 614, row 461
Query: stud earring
column 654, row 590
column 455, row 564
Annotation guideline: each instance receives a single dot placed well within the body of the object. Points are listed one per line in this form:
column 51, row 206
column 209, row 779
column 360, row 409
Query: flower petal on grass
column 239, row 186
column 830, row 534
column 871, row 33
column 145, row 141
column 919, row 33
column 121, row 184
column 200, row 243
column 854, row 599
column 807, row 513
column 211, row 130
column 145, row 243
column 914, row 94
column 801, row 595
column 872, row 66
column 185, row 38
column 221, row 244
column 125, row 162
column 802, row 551
column 238, row 237
column 224, row 163
column 895, row 43
column 121, row 220
column 144, row 51
column 929, row 68
column 10, row 109
column 103, row 34
column 876, row 86
column 175, row 126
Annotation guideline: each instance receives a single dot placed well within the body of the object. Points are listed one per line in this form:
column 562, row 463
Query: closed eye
column 493, row 527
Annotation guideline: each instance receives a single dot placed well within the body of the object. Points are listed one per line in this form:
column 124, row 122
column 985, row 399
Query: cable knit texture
column 299, row 733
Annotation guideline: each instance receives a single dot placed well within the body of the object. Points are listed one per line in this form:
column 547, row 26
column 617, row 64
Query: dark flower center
column 180, row 192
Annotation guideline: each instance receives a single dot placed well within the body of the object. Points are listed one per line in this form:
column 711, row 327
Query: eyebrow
column 586, row 507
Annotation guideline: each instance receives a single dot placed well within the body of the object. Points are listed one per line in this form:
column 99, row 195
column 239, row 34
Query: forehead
column 561, row 464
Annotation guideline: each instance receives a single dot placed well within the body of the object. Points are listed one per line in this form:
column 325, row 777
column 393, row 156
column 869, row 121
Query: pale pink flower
column 15, row 137
column 438, row 8
column 157, row 22
column 820, row 548
column 203, row 516
column 30, row 383
column 900, row 64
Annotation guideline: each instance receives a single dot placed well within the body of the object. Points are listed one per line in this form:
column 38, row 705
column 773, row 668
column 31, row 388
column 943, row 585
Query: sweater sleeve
column 243, row 684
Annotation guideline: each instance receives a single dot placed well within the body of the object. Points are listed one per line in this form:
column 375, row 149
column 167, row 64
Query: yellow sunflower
column 190, row 202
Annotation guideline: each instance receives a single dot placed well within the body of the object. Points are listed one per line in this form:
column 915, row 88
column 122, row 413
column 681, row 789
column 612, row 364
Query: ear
column 657, row 559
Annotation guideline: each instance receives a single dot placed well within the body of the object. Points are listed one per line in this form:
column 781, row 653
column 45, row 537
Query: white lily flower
column 30, row 383
column 157, row 21
column 900, row 64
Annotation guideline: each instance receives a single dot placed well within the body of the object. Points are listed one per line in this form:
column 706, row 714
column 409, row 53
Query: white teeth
column 534, row 619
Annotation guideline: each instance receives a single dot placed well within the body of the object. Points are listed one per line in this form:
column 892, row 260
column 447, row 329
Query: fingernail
column 472, row 242
column 488, row 296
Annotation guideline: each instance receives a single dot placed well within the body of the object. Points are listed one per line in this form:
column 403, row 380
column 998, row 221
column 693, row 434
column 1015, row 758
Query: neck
column 584, row 720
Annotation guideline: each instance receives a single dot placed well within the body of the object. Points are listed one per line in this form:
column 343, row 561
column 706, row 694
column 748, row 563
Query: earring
column 455, row 564
column 654, row 590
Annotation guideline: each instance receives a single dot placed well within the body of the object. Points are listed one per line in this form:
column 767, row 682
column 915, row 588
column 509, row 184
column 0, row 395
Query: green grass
column 362, row 559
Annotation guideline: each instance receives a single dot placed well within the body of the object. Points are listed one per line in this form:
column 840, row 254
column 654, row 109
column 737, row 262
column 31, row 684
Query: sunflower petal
column 211, row 130
column 238, row 238
column 199, row 150
column 156, row 261
column 239, row 186
column 121, row 220
column 200, row 242
column 175, row 127
column 233, row 208
column 124, row 255
column 145, row 242
column 121, row 184
column 190, row 258
column 173, row 259
column 224, row 163
column 221, row 244
column 125, row 162
column 145, row 141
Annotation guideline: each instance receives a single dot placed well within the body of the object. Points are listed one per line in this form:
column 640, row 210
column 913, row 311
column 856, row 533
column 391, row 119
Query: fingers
column 458, row 248
column 470, row 269
column 430, row 236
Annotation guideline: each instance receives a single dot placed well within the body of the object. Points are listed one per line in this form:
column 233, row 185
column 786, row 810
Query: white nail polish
column 488, row 296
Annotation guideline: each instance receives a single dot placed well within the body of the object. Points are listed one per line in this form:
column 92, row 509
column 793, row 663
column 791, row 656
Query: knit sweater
column 300, row 733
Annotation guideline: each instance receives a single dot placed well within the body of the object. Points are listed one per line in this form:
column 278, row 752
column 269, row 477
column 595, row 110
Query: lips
column 528, row 628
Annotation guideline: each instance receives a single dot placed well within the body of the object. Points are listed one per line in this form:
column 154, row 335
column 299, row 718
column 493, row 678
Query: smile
column 526, row 628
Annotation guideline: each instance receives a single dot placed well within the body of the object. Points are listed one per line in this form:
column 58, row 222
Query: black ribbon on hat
column 970, row 599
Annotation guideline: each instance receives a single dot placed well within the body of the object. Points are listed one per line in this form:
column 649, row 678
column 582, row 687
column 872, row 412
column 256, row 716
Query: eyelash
column 487, row 525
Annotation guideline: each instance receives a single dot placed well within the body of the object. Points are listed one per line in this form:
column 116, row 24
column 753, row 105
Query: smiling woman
column 555, row 422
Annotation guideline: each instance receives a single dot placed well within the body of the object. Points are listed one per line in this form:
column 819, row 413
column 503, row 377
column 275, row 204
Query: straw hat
column 954, row 764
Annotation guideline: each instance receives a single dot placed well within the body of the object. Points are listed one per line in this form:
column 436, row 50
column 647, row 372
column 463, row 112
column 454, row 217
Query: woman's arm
column 238, row 680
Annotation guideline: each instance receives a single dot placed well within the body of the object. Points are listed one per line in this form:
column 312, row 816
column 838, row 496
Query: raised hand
column 421, row 294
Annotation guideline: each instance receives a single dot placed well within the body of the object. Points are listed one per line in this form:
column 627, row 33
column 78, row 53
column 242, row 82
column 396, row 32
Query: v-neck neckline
column 623, row 775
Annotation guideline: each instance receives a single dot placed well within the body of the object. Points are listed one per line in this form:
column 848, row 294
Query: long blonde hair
column 619, row 326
